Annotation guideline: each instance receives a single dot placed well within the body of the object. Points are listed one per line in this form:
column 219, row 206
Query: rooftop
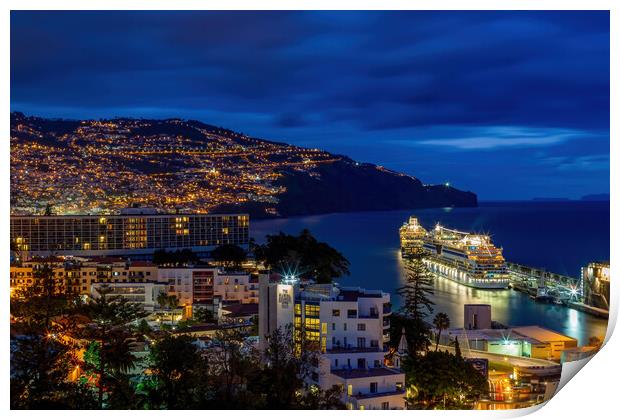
column 532, row 334
column 365, row 373
column 542, row 334
column 241, row 309
column 379, row 394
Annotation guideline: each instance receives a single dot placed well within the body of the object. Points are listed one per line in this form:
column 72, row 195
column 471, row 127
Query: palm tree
column 441, row 322
column 111, row 317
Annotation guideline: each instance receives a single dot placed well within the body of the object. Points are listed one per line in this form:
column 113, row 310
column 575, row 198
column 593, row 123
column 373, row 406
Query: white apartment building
column 350, row 329
column 80, row 275
column 236, row 286
column 141, row 293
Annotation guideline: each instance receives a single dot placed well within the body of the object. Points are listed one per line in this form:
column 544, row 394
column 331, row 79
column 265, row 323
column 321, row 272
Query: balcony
column 366, row 373
column 351, row 349
column 360, row 396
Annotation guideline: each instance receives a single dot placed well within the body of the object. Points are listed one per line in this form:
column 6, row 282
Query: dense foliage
column 435, row 379
column 440, row 380
column 177, row 258
column 229, row 255
column 417, row 304
column 304, row 255
column 76, row 355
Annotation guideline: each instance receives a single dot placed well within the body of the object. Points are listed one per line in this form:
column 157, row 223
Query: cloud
column 502, row 137
column 361, row 83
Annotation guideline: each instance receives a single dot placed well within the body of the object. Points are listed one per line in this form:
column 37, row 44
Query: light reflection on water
column 370, row 242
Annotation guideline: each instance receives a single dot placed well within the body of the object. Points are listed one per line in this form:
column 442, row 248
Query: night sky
column 510, row 105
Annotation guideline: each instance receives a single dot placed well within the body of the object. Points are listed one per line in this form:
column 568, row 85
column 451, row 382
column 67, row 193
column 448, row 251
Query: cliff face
column 96, row 166
column 345, row 186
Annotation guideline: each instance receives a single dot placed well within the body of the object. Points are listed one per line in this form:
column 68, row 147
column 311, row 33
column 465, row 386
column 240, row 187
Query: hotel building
column 349, row 329
column 595, row 280
column 136, row 231
column 77, row 276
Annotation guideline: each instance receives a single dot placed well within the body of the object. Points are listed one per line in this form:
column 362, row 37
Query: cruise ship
column 467, row 258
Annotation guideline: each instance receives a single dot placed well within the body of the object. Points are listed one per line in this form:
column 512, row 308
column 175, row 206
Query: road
column 500, row 358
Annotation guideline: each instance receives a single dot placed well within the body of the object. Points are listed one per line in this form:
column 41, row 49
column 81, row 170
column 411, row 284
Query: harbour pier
column 552, row 287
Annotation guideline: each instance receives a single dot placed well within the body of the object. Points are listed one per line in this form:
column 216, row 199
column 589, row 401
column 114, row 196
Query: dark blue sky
column 507, row 104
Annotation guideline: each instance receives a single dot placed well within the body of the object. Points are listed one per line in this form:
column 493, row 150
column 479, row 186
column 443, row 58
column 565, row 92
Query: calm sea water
column 558, row 236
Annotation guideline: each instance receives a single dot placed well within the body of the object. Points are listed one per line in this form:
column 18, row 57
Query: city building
column 144, row 294
column 348, row 327
column 236, row 287
column 477, row 316
column 134, row 232
column 275, row 306
column 530, row 341
column 78, row 275
column 595, row 280
column 193, row 287
column 578, row 353
column 526, row 387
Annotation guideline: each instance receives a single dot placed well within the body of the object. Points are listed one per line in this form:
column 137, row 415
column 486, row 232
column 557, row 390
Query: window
column 377, row 364
column 312, row 310
column 350, row 389
column 336, row 362
column 361, row 363
column 312, row 324
column 385, row 405
column 345, row 326
column 374, row 343
column 361, row 327
column 373, row 387
column 361, row 342
column 335, row 312
column 333, row 326
column 324, row 328
column 352, row 313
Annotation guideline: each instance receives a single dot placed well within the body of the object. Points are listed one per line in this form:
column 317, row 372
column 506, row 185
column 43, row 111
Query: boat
column 412, row 236
column 467, row 258
column 542, row 295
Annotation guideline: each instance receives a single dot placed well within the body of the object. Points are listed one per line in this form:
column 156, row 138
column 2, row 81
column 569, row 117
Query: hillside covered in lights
column 102, row 166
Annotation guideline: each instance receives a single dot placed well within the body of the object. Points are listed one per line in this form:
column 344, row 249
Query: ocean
column 558, row 236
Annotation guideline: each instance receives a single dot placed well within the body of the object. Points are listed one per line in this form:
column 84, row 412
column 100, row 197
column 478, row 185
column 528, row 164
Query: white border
column 593, row 394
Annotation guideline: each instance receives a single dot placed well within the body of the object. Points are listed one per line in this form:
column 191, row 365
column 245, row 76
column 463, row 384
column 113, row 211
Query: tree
column 169, row 302
column 417, row 305
column 443, row 380
column 40, row 367
column 317, row 399
column 178, row 258
column 202, row 314
column 110, row 327
column 178, row 368
column 233, row 369
column 288, row 363
column 36, row 306
column 302, row 253
column 230, row 255
column 49, row 210
column 441, row 322
column 457, row 347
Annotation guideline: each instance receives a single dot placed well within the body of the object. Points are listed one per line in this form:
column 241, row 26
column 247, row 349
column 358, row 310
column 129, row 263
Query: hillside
column 101, row 166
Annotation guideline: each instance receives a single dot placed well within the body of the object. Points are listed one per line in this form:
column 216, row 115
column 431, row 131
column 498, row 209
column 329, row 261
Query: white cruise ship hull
column 440, row 268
